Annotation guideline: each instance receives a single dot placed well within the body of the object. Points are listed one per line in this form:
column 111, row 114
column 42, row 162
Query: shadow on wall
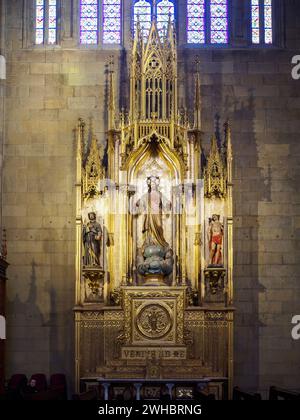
column 34, row 344
column 251, row 185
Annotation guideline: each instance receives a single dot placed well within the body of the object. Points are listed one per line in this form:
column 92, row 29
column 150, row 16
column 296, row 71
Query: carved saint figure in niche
column 94, row 170
column 156, row 255
column 92, row 238
column 152, row 205
column 215, row 239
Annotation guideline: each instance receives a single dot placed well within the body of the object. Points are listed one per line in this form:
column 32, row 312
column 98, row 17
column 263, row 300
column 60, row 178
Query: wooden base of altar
column 154, row 335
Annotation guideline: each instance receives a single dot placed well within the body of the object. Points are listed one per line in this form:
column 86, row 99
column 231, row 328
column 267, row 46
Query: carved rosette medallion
column 155, row 315
column 154, row 321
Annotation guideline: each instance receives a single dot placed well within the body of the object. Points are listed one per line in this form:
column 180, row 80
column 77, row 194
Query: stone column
column 138, row 387
column 106, row 386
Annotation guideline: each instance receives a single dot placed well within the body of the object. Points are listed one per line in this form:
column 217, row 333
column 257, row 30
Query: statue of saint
column 215, row 240
column 92, row 238
column 156, row 256
column 152, row 204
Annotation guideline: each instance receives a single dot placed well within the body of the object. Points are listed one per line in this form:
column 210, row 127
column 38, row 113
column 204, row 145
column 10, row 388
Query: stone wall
column 2, row 94
column 48, row 89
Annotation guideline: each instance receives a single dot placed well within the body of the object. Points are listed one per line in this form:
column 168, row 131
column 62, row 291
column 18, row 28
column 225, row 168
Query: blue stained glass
column 261, row 30
column 196, row 21
column 165, row 12
column 45, row 21
column 268, row 21
column 255, row 18
column 111, row 21
column 142, row 14
column 89, row 17
column 218, row 22
column 52, row 24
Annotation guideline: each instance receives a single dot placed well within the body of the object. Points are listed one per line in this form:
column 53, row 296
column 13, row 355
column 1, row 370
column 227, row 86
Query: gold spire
column 228, row 139
column 80, row 137
column 170, row 31
column 111, row 105
column 215, row 172
column 93, row 170
column 197, row 117
column 137, row 32
column 214, row 146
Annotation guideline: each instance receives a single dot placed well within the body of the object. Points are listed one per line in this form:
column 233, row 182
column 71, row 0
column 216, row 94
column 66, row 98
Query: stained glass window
column 255, row 16
column 142, row 14
column 196, row 21
column 39, row 21
column 165, row 12
column 207, row 21
column 261, row 21
column 46, row 22
column 52, row 25
column 268, row 21
column 89, row 18
column 218, row 22
column 111, row 21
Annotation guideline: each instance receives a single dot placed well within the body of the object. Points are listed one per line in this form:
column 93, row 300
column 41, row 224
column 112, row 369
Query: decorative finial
column 227, row 130
column 197, row 97
column 81, row 138
column 81, row 123
column 111, row 63
column 197, row 61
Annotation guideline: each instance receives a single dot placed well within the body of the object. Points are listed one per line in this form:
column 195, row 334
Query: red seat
column 58, row 383
column 41, row 381
column 17, row 382
column 15, row 386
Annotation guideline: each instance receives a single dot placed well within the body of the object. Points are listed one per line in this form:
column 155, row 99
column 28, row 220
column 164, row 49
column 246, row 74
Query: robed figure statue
column 92, row 239
column 152, row 205
column 156, row 255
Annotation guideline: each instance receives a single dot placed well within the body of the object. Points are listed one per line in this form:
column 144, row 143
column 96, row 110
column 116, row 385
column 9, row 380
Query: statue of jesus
column 215, row 238
column 152, row 204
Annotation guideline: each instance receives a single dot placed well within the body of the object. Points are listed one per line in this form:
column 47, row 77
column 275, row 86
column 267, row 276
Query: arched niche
column 154, row 158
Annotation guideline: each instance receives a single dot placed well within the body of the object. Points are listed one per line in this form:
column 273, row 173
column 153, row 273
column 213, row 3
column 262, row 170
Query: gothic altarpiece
column 154, row 234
